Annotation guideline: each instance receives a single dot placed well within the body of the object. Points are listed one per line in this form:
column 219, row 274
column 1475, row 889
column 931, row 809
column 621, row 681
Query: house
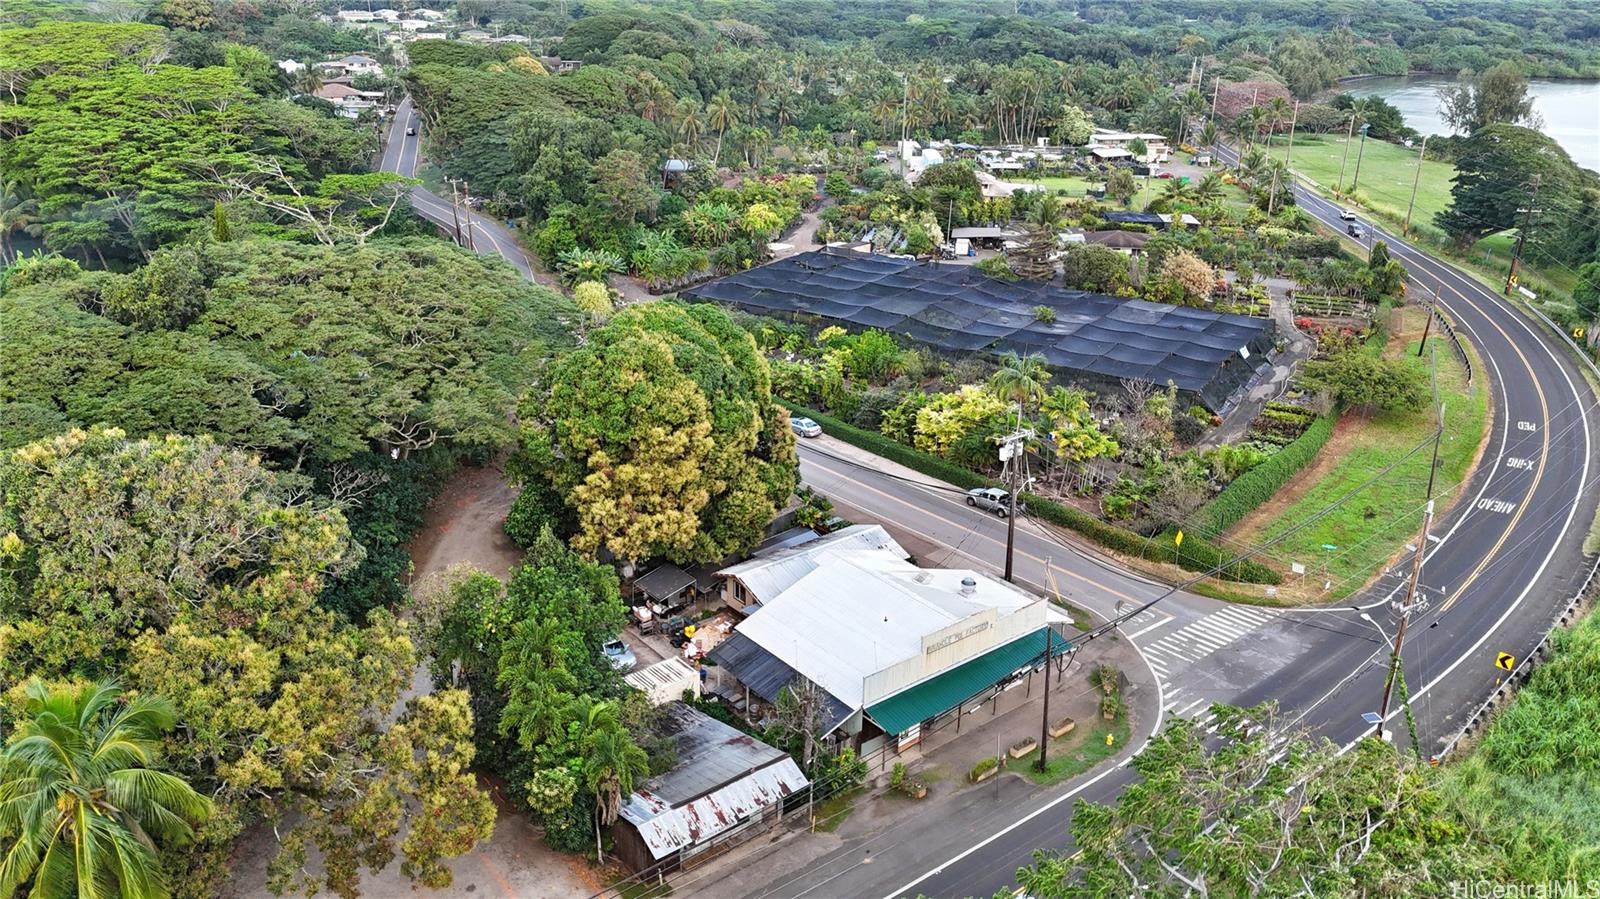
column 429, row 36
column 414, row 24
column 432, row 15
column 291, row 67
column 726, row 786
column 353, row 64
column 1156, row 149
column 555, row 65
column 1152, row 219
column 351, row 102
column 775, row 569
column 1126, row 242
column 475, row 35
column 1110, row 154
column 895, row 651
column 512, row 38
column 388, row 15
column 355, row 16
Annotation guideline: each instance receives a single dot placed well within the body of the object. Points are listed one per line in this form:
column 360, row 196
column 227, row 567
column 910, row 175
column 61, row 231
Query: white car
column 1347, row 215
column 804, row 427
column 620, row 655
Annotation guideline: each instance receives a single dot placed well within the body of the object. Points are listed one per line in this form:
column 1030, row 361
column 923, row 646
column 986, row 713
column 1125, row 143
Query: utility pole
column 1044, row 725
column 1411, row 604
column 1272, row 199
column 472, row 243
column 1356, row 178
column 1216, row 90
column 1405, row 230
column 1427, row 323
column 1013, row 451
column 1522, row 236
column 455, row 209
column 1348, row 135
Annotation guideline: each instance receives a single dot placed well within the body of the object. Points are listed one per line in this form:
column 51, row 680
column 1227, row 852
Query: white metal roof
column 773, row 571
column 864, row 611
column 666, row 830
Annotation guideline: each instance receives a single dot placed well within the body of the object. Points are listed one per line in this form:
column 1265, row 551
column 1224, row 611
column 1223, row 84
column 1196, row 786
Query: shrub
column 594, row 298
column 1260, row 483
column 1044, row 314
column 984, row 766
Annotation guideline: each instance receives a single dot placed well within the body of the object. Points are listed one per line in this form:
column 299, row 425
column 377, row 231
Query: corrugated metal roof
column 773, row 571
column 722, row 777
column 664, row 681
column 766, row 675
column 667, row 829
column 942, row 692
column 664, row 582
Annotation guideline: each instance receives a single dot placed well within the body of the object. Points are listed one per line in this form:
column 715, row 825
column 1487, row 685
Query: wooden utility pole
column 455, row 209
column 1216, row 90
column 472, row 243
column 1522, row 236
column 1012, row 451
column 1349, row 133
column 1410, row 603
column 1405, row 230
column 1044, row 725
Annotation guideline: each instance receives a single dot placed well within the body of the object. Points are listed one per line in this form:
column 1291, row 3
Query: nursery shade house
column 960, row 309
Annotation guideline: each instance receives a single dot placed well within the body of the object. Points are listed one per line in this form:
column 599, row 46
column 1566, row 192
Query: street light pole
column 1356, row 178
column 1415, row 181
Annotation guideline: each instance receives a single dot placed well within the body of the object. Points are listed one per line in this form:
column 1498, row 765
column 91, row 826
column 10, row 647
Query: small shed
column 726, row 785
column 665, row 681
column 666, row 585
column 1125, row 241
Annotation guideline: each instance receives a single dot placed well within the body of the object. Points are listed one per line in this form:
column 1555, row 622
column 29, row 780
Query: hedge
column 1195, row 554
column 1259, row 484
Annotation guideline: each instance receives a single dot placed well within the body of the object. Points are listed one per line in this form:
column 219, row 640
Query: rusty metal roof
column 722, row 777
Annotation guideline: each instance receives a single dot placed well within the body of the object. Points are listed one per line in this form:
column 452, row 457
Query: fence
column 1524, row 667
column 1455, row 342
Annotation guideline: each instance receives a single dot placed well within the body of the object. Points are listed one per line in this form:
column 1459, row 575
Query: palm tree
column 81, row 807
column 720, row 115
column 1209, row 188
column 1208, row 135
column 611, row 761
column 1175, row 191
column 1020, row 379
column 1277, row 112
column 689, row 123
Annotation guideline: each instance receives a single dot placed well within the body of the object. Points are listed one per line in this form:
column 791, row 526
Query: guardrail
column 1524, row 666
column 1455, row 341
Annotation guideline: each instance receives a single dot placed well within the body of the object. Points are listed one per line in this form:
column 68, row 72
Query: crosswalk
column 1198, row 639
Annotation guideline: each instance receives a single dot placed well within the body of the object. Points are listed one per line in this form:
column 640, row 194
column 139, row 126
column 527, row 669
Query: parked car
column 620, row 655
column 1163, row 175
column 1355, row 231
column 1347, row 215
column 804, row 427
column 990, row 499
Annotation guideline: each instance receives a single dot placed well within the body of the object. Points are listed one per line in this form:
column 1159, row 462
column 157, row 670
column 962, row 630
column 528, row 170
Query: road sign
column 1578, row 333
column 1505, row 661
column 1178, row 540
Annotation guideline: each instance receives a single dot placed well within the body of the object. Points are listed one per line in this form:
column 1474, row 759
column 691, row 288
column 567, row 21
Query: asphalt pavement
column 1505, row 561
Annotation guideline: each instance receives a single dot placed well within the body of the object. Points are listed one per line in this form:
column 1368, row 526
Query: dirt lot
column 462, row 525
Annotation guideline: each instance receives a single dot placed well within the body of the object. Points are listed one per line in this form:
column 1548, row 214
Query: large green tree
column 193, row 572
column 663, row 435
column 1494, row 179
column 84, row 808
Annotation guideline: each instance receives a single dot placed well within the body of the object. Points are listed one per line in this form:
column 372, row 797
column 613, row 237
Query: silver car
column 620, row 655
column 804, row 427
column 990, row 499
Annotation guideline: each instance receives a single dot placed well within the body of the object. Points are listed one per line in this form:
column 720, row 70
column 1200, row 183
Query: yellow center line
column 1538, row 473
column 955, row 524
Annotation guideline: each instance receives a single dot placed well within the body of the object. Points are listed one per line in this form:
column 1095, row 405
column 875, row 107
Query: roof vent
column 969, row 585
column 922, row 577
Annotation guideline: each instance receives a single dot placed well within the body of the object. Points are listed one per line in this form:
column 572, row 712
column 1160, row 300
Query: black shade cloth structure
column 1136, row 218
column 959, row 308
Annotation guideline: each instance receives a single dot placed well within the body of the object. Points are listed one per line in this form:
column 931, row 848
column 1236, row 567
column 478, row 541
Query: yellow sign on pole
column 1578, row 333
column 1505, row 661
column 1178, row 540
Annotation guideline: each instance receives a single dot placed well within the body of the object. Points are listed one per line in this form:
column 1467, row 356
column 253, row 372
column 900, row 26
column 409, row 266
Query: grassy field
column 1387, row 172
column 1074, row 753
column 1350, row 544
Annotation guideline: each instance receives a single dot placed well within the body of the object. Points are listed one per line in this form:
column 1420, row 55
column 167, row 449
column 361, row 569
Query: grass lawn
column 1077, row 186
column 1387, row 171
column 1076, row 752
column 1350, row 544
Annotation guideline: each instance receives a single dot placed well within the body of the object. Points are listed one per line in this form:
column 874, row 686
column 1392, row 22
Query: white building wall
column 946, row 648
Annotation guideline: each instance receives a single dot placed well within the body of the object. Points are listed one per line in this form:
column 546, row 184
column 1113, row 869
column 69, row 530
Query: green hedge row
column 1259, row 484
column 1195, row 554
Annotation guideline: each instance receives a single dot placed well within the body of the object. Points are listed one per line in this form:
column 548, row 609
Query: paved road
column 1506, row 558
column 401, row 154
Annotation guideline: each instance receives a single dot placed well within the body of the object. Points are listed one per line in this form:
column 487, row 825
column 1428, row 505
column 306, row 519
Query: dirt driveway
column 463, row 524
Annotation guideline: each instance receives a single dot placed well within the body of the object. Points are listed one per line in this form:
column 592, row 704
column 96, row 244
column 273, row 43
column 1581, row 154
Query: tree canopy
column 663, row 435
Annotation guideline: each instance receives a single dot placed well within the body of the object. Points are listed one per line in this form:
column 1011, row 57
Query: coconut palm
column 690, row 124
column 611, row 761
column 82, row 809
column 1020, row 379
column 1208, row 135
column 1175, row 191
column 721, row 115
column 1277, row 112
column 1209, row 189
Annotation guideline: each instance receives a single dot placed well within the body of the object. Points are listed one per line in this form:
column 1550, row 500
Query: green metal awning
column 944, row 691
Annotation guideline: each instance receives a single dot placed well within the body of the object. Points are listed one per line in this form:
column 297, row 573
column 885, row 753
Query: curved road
column 1506, row 559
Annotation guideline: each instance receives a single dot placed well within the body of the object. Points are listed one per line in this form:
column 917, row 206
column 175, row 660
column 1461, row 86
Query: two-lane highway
column 402, row 154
